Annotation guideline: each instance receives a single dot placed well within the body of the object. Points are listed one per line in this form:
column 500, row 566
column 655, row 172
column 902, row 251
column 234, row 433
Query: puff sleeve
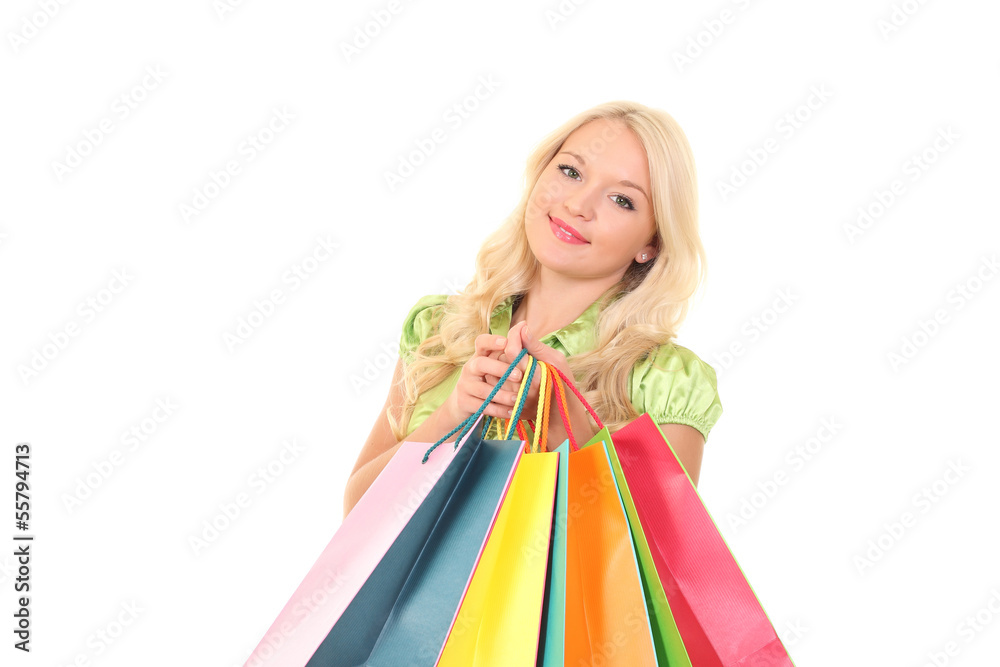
column 420, row 323
column 676, row 387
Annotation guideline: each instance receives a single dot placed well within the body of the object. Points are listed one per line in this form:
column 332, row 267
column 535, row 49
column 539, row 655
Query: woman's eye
column 575, row 174
column 624, row 202
column 621, row 200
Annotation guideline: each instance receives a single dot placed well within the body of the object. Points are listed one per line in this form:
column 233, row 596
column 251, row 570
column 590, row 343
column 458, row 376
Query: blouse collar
column 575, row 338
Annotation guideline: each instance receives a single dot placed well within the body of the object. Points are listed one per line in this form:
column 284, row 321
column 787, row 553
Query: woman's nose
column 581, row 202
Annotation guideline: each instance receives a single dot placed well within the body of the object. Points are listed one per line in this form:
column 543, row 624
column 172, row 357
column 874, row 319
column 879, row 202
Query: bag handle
column 519, row 400
column 468, row 423
column 576, row 391
column 540, row 440
column 558, row 381
column 563, row 410
column 542, row 415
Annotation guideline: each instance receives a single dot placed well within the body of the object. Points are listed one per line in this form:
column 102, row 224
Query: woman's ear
column 648, row 252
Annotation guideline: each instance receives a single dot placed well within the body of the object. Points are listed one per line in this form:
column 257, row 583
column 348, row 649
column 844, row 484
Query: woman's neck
column 553, row 301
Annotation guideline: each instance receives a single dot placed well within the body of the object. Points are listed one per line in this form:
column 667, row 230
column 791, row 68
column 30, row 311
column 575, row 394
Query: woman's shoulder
column 421, row 321
column 675, row 385
column 432, row 302
column 672, row 358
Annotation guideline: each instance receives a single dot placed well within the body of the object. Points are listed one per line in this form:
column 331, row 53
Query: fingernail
column 501, row 341
column 516, row 375
column 510, row 412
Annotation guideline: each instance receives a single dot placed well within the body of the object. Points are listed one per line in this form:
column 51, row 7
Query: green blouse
column 674, row 385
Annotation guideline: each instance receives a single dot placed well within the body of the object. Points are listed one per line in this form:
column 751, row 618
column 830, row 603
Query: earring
column 644, row 257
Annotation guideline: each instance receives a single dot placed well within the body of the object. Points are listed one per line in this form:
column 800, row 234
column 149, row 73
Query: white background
column 317, row 370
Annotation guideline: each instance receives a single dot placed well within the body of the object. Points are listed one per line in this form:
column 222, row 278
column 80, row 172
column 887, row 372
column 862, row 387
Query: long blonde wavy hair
column 641, row 312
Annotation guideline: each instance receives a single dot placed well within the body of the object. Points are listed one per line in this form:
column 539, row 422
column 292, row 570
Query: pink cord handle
column 576, row 391
column 561, row 403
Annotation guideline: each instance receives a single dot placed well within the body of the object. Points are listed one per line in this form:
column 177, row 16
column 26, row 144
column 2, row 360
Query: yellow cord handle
column 511, row 424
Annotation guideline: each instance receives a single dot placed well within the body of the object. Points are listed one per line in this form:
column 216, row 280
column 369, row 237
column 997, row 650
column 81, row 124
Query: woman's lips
column 564, row 232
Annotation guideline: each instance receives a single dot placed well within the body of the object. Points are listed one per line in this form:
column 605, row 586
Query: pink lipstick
column 564, row 232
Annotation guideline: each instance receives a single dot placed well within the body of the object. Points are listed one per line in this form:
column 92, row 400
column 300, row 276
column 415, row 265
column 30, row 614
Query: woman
column 602, row 251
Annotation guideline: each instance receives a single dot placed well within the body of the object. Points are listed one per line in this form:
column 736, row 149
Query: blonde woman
column 592, row 272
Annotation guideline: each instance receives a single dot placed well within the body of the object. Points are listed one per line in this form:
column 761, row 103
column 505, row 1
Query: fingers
column 492, row 359
column 505, row 354
column 513, row 345
column 492, row 410
column 483, row 371
column 535, row 347
column 476, row 392
column 480, row 376
column 491, row 370
column 543, row 352
column 489, row 343
column 480, row 391
column 512, row 348
column 489, row 346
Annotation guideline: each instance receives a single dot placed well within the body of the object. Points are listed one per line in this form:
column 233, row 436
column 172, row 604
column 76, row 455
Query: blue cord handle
column 524, row 396
column 517, row 409
column 467, row 424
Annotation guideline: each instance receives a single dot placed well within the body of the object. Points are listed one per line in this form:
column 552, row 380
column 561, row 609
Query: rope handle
column 544, row 403
column 541, row 420
column 576, row 391
column 540, row 439
column 466, row 425
column 520, row 399
column 563, row 409
column 555, row 381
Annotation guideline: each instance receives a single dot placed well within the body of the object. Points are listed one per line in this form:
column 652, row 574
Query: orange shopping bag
column 607, row 621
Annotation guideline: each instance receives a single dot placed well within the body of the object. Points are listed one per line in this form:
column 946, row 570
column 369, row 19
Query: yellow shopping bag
column 499, row 618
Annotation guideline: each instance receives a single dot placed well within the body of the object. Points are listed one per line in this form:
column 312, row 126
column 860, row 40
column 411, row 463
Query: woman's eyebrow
column 628, row 184
column 579, row 158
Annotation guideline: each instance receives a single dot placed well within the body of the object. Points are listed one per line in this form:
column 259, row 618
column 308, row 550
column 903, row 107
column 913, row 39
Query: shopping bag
column 499, row 618
column 389, row 524
column 702, row 609
column 717, row 613
column 552, row 637
column 418, row 624
column 420, row 617
column 607, row 621
column 552, row 632
column 370, row 558
column 666, row 637
column 606, row 618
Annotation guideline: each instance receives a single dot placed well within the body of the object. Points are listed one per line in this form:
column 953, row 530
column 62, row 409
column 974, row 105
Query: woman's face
column 589, row 215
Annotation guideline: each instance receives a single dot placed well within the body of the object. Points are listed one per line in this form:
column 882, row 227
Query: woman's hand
column 517, row 338
column 473, row 386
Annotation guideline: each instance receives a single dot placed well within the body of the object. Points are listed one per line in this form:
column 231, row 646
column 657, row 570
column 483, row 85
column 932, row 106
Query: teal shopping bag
column 404, row 611
column 552, row 638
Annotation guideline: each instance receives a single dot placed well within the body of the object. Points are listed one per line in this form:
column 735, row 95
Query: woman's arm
column 469, row 393
column 381, row 445
column 688, row 444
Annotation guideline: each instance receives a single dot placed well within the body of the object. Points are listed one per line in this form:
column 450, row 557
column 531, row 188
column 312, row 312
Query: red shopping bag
column 717, row 614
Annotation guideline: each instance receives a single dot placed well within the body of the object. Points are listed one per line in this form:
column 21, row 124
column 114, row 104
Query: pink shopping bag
column 404, row 489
